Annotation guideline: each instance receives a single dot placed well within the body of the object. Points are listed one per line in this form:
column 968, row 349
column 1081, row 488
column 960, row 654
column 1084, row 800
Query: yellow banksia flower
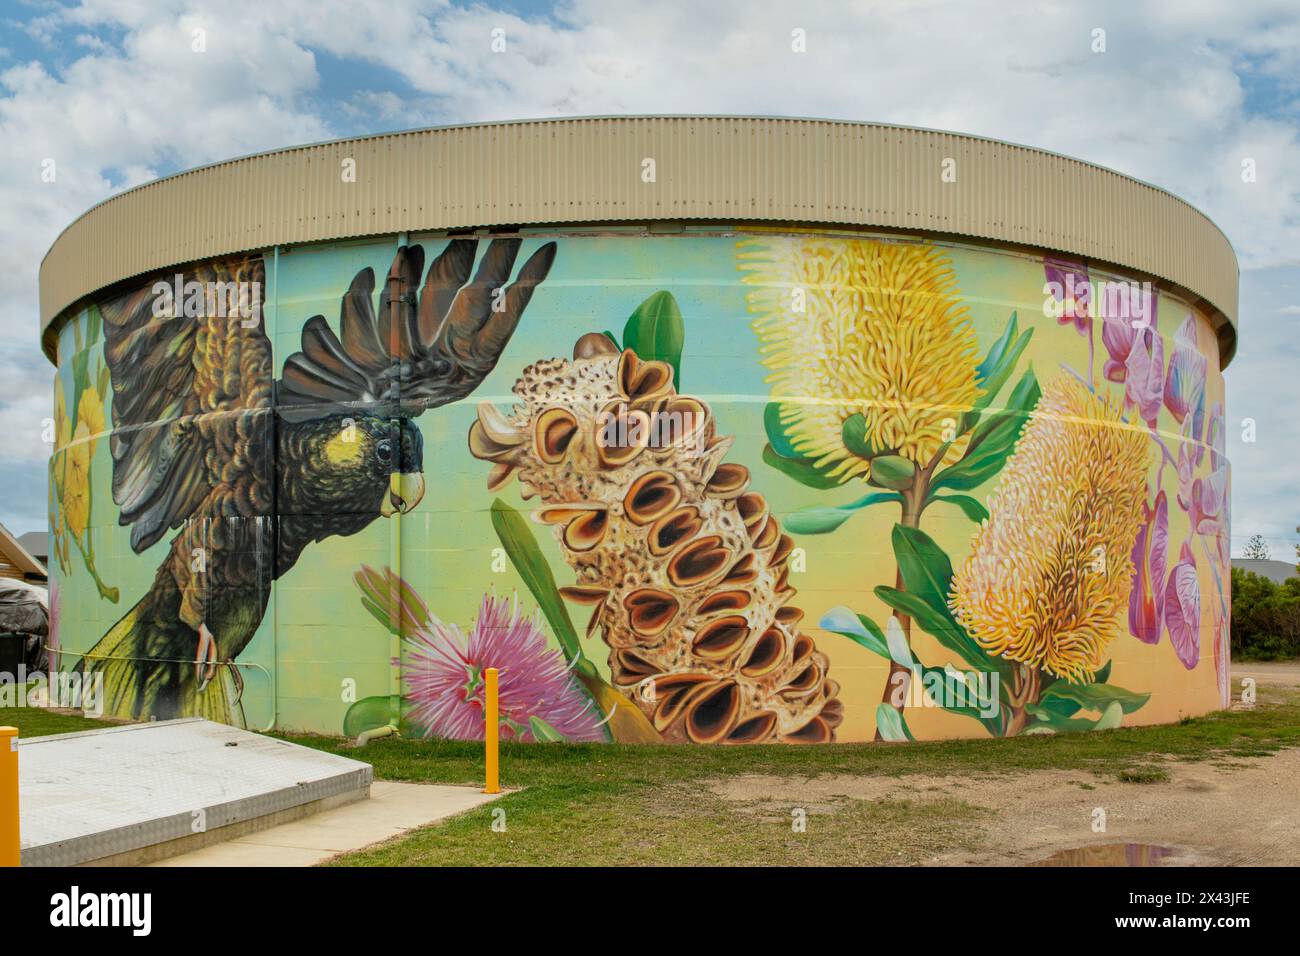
column 62, row 423
column 862, row 326
column 1048, row 577
column 76, row 489
column 90, row 412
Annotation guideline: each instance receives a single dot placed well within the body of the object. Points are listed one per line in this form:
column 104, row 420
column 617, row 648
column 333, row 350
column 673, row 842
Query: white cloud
column 1170, row 101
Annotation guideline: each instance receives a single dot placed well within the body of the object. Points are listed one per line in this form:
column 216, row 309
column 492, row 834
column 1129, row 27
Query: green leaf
column 776, row 435
column 924, row 565
column 951, row 679
column 992, row 441
column 655, row 332
column 543, row 732
column 1096, row 697
column 800, row 469
column 369, row 713
column 824, row 520
column 940, row 623
column 626, row 724
column 522, row 549
column 996, row 353
column 892, row 471
column 1103, row 675
column 972, row 508
column 1055, row 708
column 94, row 325
column 1003, row 426
column 1112, row 718
column 891, row 724
column 856, row 627
column 1051, row 721
column 1000, row 362
column 931, row 620
column 899, row 650
column 853, row 433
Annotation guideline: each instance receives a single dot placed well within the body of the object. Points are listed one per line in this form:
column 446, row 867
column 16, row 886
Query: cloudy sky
column 114, row 92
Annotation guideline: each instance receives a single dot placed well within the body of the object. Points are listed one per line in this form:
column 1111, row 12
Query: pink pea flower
column 1221, row 658
column 1215, row 438
column 1208, row 503
column 1134, row 346
column 1183, row 608
column 1185, row 378
column 1070, row 287
column 1147, row 599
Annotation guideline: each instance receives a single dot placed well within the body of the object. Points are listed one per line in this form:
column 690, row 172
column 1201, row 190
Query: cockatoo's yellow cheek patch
column 344, row 448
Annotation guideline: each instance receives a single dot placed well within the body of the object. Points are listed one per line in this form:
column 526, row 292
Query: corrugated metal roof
column 590, row 170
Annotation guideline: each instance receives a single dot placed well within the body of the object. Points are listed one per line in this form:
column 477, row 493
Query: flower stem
column 896, row 683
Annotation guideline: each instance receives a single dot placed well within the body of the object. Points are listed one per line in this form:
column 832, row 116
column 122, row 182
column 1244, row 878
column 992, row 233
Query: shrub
column 1265, row 617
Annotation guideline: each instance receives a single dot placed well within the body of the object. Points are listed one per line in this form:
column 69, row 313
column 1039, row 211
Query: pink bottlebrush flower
column 1146, row 603
column 443, row 671
column 1185, row 379
column 1183, row 608
column 1070, row 286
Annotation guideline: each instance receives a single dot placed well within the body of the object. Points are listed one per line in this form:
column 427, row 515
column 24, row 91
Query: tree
column 1257, row 548
column 1265, row 617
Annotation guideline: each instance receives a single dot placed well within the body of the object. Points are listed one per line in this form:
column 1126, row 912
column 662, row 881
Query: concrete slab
column 393, row 809
column 130, row 794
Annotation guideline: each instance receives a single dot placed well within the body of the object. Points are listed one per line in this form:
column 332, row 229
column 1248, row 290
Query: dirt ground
column 1240, row 812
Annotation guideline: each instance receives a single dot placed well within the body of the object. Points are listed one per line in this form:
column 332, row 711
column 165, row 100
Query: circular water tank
column 698, row 429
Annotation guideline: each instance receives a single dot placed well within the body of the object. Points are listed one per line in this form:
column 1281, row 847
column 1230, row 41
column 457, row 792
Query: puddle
column 1110, row 854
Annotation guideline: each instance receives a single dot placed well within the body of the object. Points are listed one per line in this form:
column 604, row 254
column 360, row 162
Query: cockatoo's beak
column 404, row 492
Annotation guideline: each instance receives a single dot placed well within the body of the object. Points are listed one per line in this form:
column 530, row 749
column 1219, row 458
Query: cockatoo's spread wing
column 184, row 443
column 425, row 347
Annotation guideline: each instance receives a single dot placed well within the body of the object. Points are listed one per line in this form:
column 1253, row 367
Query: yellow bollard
column 9, row 796
column 492, row 717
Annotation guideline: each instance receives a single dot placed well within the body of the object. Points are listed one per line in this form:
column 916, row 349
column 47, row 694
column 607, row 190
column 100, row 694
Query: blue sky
column 114, row 92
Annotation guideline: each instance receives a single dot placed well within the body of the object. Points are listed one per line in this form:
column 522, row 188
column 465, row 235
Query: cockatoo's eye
column 384, row 450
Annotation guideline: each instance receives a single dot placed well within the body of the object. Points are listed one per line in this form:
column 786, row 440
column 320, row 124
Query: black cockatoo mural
column 251, row 470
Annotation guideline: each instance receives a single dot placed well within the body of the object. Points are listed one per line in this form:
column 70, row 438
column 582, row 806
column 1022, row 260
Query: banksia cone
column 685, row 567
column 1048, row 578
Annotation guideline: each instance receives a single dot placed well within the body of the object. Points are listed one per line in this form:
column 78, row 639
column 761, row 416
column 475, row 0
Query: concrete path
column 393, row 808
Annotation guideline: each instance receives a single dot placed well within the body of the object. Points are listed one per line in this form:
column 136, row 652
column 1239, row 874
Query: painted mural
column 692, row 489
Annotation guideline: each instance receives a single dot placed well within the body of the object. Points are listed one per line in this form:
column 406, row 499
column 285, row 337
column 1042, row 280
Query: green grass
column 39, row 722
column 1143, row 775
column 606, row 804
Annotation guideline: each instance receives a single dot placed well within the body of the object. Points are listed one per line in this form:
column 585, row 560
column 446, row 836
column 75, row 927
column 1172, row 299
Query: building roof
column 37, row 543
column 594, row 170
column 14, row 555
column 1275, row 571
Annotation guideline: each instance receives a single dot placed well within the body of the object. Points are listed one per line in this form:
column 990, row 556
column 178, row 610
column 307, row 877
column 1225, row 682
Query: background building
column 793, row 430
